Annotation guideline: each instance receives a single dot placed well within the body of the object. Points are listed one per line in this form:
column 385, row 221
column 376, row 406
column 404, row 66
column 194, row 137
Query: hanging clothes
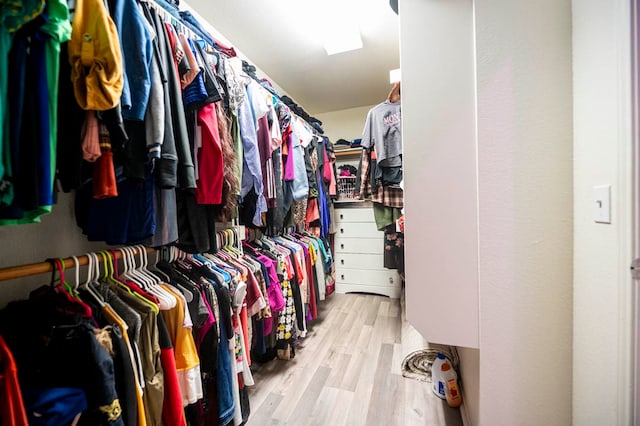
column 28, row 151
column 252, row 191
column 96, row 57
column 187, row 363
column 45, row 367
column 210, row 160
column 12, row 411
column 161, row 136
column 132, row 26
column 383, row 132
column 380, row 176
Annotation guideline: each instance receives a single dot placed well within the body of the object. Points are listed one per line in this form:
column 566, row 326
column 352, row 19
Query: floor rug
column 417, row 365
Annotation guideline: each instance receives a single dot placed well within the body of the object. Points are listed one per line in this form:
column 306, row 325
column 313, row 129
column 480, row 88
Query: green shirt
column 58, row 28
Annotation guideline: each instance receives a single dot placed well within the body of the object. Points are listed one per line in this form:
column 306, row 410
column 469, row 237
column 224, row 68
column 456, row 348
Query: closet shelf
column 20, row 271
column 350, row 152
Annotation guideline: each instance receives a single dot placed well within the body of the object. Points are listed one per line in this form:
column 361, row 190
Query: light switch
column 602, row 204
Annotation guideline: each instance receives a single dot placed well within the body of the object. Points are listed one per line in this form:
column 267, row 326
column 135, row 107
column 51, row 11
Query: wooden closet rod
column 13, row 272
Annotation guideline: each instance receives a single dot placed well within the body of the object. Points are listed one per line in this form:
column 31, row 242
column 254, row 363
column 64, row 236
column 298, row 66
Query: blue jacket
column 137, row 51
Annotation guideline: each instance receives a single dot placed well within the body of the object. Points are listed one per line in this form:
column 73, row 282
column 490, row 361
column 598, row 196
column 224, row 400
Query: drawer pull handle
column 390, row 280
column 341, row 246
column 341, row 216
column 341, row 231
column 342, row 261
column 342, row 277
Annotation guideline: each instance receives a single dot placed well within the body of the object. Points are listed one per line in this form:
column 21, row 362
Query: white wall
column 470, row 374
column 56, row 236
column 524, row 197
column 601, row 148
column 346, row 123
column 525, row 192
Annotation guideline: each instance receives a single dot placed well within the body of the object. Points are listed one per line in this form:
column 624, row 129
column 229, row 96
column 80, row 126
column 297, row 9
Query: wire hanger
column 127, row 264
column 93, row 268
column 135, row 273
column 155, row 270
column 168, row 300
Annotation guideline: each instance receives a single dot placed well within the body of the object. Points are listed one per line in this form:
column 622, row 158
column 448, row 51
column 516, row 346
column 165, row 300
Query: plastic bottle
column 437, row 382
column 452, row 391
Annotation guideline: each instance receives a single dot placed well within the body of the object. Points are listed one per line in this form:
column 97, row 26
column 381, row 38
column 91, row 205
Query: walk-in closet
column 287, row 212
column 191, row 236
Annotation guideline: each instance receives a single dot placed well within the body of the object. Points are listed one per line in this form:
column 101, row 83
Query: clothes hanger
column 200, row 259
column 223, row 239
column 142, row 269
column 61, row 289
column 155, row 270
column 120, row 276
column 175, row 253
column 252, row 250
column 218, row 239
column 179, row 260
column 167, row 299
column 111, row 274
column 218, row 263
column 194, row 259
column 229, row 247
column 238, row 238
column 135, row 278
column 167, row 253
column 181, row 254
column 63, row 281
column 92, row 271
column 127, row 262
column 76, row 265
column 232, row 237
column 134, row 273
column 93, row 263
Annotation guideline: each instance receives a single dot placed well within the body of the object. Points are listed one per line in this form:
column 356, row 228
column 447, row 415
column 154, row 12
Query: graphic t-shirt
column 383, row 132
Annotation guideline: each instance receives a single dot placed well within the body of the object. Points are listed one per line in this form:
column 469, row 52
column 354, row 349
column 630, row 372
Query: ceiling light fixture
column 341, row 25
column 394, row 76
column 343, row 40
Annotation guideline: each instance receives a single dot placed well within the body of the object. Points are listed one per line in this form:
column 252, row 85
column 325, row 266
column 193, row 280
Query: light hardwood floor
column 347, row 372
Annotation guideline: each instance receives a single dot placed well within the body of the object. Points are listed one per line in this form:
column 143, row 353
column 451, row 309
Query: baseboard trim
column 464, row 414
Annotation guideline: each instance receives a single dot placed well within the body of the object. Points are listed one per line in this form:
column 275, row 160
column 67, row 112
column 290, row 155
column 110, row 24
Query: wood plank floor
column 347, row 372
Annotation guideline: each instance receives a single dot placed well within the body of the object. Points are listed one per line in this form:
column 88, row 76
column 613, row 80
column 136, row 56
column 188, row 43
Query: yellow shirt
column 115, row 318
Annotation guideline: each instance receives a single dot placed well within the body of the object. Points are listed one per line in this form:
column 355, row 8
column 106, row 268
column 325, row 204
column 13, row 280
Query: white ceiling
column 282, row 38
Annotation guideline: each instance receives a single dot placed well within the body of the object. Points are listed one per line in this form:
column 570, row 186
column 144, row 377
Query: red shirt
column 12, row 412
column 210, row 161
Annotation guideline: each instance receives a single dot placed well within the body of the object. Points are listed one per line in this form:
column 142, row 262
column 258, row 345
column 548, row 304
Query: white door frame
column 629, row 210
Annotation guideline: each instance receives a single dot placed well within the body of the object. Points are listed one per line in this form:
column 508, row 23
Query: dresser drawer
column 386, row 277
column 384, row 290
column 360, row 245
column 358, row 230
column 359, row 261
column 354, row 215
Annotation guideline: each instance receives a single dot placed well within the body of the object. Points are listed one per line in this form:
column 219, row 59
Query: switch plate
column 602, row 204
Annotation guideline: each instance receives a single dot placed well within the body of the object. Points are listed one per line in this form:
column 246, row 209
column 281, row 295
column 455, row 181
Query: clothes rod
column 21, row 271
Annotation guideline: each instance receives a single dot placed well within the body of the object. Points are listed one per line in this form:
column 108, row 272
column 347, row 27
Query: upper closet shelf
column 349, row 152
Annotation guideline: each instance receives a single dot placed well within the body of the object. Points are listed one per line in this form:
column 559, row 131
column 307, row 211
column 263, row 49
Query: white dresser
column 359, row 248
